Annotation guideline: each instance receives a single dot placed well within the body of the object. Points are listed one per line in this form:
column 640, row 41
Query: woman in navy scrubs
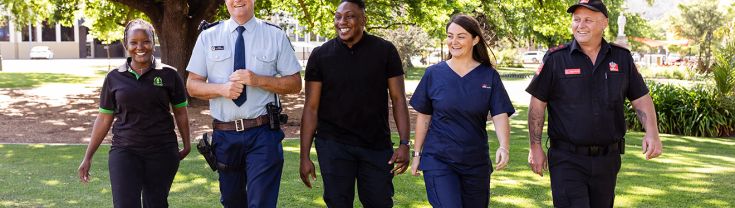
column 139, row 97
column 453, row 100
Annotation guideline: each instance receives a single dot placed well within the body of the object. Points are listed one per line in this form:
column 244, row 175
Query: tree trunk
column 177, row 36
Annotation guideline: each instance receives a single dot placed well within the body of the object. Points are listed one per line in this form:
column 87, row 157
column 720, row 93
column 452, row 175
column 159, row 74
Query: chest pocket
column 571, row 86
column 265, row 63
column 615, row 87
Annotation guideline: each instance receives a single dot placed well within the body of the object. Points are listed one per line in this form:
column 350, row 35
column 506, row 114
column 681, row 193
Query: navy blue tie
column 240, row 62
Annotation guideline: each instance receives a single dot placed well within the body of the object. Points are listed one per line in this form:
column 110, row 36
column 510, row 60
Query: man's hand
column 400, row 159
column 231, row 90
column 537, row 160
column 245, row 77
column 185, row 151
column 652, row 146
column 306, row 170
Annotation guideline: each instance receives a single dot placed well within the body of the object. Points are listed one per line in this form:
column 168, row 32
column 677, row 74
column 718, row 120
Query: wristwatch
column 405, row 142
column 415, row 154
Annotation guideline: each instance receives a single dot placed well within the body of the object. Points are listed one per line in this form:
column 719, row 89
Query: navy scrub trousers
column 133, row 172
column 258, row 153
column 341, row 164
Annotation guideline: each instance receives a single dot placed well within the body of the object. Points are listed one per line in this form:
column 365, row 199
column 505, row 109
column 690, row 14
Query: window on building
column 28, row 33
column 67, row 33
column 5, row 29
column 313, row 37
column 48, row 31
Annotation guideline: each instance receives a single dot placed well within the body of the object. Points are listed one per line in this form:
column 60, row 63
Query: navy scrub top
column 459, row 107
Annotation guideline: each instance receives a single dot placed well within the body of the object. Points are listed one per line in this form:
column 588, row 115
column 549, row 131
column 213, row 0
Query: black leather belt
column 592, row 150
column 240, row 124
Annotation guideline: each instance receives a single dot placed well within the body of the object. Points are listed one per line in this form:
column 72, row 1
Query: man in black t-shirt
column 584, row 84
column 348, row 82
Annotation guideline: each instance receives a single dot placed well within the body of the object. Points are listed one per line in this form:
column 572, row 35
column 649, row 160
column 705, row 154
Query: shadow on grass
column 692, row 172
column 27, row 80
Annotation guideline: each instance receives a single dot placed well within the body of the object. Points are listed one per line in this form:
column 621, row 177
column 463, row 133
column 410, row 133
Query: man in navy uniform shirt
column 585, row 83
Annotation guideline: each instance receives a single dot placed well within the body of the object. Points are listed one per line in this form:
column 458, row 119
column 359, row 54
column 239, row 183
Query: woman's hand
column 502, row 155
column 185, row 151
column 83, row 171
column 415, row 165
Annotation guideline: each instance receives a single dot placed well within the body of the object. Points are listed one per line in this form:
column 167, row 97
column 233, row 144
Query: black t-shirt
column 353, row 107
column 585, row 102
column 141, row 105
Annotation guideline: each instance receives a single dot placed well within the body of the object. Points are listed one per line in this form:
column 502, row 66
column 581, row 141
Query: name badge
column 218, row 48
column 572, row 71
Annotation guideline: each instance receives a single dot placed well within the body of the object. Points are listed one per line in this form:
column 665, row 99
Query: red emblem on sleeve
column 613, row 67
column 572, row 71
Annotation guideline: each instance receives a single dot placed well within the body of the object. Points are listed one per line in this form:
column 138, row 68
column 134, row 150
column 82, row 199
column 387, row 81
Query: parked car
column 532, row 57
column 41, row 52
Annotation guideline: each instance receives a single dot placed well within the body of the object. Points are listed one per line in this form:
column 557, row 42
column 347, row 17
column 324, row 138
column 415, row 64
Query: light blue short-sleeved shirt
column 268, row 53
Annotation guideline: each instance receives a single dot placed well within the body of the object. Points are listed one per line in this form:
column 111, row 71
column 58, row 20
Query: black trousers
column 342, row 164
column 135, row 173
column 583, row 181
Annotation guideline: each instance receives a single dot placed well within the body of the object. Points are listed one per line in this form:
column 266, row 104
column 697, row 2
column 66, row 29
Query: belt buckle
column 594, row 150
column 239, row 126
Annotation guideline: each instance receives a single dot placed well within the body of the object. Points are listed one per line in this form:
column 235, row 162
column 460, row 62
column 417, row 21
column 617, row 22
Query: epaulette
column 271, row 24
column 205, row 25
column 554, row 50
column 619, row 46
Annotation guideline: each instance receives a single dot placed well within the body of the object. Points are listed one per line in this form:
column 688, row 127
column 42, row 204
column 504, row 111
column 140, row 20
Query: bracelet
column 416, row 154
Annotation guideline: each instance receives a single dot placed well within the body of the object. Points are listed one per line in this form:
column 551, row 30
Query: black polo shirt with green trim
column 141, row 105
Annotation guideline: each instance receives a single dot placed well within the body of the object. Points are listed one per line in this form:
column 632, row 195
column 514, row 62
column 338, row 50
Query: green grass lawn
column 693, row 172
column 30, row 79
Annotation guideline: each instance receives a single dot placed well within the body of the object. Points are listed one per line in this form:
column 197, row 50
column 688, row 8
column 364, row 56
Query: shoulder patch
column 204, row 25
column 619, row 46
column 271, row 24
column 553, row 50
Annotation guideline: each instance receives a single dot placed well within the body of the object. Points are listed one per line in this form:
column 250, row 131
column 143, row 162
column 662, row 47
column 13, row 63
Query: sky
column 661, row 9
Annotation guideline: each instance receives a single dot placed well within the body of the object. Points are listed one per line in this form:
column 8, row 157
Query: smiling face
column 588, row 25
column 349, row 21
column 459, row 41
column 241, row 10
column 140, row 46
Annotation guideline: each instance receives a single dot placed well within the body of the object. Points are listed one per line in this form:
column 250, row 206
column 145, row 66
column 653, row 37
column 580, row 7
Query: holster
column 207, row 150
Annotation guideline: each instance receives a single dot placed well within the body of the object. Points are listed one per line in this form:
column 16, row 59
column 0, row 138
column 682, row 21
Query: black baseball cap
column 594, row 5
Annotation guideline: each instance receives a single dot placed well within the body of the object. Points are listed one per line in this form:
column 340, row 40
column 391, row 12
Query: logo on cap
column 584, row 1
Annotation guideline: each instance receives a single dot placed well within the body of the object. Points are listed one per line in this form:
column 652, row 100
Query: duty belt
column 240, row 124
column 592, row 150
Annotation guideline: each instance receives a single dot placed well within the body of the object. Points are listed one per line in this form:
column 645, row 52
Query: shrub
column 698, row 111
column 723, row 70
column 508, row 58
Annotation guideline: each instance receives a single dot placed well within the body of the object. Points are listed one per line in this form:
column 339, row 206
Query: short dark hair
column 360, row 3
column 469, row 23
column 145, row 26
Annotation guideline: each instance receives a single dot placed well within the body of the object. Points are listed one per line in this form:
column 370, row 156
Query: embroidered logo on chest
column 486, row 86
column 613, row 67
column 157, row 81
column 218, row 48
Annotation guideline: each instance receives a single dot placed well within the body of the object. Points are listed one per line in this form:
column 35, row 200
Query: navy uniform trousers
column 583, row 181
column 256, row 160
column 341, row 164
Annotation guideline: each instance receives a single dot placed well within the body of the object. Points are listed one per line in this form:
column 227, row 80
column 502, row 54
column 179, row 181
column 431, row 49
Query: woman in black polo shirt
column 139, row 96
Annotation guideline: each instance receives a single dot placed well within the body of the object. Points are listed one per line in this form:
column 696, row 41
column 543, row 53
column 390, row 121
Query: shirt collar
column 157, row 65
column 604, row 48
column 359, row 42
column 249, row 25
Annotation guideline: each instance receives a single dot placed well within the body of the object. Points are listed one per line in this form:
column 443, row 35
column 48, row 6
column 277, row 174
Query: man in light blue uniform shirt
column 235, row 65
